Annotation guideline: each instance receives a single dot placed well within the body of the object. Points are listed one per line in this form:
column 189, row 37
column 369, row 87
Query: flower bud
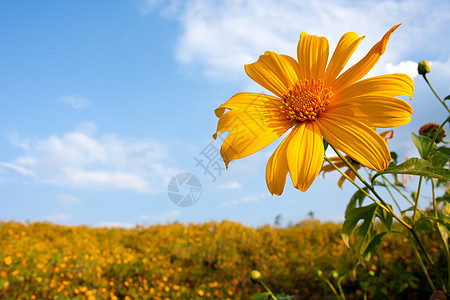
column 423, row 67
column 255, row 276
column 319, row 273
column 334, row 274
column 430, row 129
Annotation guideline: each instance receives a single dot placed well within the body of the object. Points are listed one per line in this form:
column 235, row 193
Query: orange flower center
column 305, row 100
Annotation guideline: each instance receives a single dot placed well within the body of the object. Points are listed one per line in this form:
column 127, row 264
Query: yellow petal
column 248, row 101
column 277, row 73
column 373, row 110
column 360, row 69
column 249, row 133
column 312, row 55
column 355, row 139
column 305, row 153
column 350, row 174
column 386, row 85
column 277, row 168
column 344, row 50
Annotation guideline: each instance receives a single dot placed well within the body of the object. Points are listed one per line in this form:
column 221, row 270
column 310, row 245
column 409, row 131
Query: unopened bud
column 319, row 273
column 334, row 274
column 255, row 275
column 423, row 67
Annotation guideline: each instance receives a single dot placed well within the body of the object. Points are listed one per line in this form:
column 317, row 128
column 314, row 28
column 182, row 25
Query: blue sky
column 103, row 103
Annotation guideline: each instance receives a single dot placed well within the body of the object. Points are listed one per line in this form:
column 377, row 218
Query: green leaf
column 445, row 197
column 444, row 150
column 352, row 217
column 358, row 196
column 440, row 219
column 423, row 145
column 447, row 98
column 417, row 166
column 260, row 296
column 373, row 243
column 394, row 157
column 439, row 159
column 325, row 144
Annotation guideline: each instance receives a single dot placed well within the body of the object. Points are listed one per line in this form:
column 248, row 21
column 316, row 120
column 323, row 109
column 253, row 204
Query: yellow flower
column 7, row 260
column 386, row 135
column 317, row 102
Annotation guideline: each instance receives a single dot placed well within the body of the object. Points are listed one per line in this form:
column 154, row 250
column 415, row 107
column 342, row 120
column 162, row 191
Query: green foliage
column 417, row 166
column 424, row 145
column 365, row 234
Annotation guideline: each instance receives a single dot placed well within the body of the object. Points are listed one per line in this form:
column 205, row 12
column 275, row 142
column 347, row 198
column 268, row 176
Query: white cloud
column 222, row 36
column 18, row 168
column 407, row 67
column 230, row 186
column 82, row 158
column 68, row 199
column 76, row 102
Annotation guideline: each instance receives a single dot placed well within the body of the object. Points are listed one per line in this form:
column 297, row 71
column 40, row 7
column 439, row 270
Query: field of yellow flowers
column 196, row 261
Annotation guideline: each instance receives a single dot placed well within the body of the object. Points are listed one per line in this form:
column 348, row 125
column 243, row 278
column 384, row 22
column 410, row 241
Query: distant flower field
column 198, row 261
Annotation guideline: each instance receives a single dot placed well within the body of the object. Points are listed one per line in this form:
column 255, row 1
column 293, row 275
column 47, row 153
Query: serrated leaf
column 260, row 296
column 417, row 166
column 423, row 144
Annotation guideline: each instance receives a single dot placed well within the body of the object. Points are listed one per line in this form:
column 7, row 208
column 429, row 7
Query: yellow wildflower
column 316, row 101
column 387, row 135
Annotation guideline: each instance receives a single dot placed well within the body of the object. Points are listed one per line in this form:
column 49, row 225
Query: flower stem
column 384, row 204
column 413, row 220
column 400, row 192
column 428, row 258
column 390, row 193
column 438, row 227
column 422, row 265
column 437, row 96
column 267, row 289
column 353, row 182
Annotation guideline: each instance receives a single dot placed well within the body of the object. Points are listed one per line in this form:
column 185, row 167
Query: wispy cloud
column 74, row 101
column 68, row 199
column 82, row 158
column 230, row 186
column 222, row 36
